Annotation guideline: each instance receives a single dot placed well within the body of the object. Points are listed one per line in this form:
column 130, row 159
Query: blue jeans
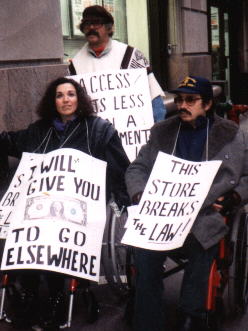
column 158, row 108
column 149, row 314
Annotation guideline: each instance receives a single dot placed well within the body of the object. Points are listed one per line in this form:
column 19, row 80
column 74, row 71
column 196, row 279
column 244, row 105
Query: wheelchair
column 117, row 258
column 116, row 265
column 228, row 278
column 114, row 269
column 228, row 283
column 114, row 262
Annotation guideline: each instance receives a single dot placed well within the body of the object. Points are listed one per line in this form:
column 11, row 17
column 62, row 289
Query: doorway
column 157, row 14
column 219, row 45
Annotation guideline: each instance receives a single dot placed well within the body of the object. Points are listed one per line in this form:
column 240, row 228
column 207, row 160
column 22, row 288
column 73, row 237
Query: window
column 125, row 17
column 71, row 15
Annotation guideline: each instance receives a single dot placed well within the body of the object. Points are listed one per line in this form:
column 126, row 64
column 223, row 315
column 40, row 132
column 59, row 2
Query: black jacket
column 91, row 135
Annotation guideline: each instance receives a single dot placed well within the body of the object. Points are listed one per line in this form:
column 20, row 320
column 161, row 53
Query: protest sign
column 11, row 197
column 58, row 221
column 122, row 97
column 173, row 196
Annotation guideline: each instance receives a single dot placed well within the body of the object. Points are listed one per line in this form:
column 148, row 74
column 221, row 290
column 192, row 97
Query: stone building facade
column 179, row 37
column 31, row 55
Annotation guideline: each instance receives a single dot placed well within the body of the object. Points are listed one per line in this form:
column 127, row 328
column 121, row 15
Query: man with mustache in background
column 101, row 52
column 195, row 134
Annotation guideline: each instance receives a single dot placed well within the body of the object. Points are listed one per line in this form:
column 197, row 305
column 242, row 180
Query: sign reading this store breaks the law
column 172, row 198
column 122, row 97
column 59, row 213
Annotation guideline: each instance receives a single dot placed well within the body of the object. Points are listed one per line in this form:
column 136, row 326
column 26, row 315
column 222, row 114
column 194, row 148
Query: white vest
column 85, row 62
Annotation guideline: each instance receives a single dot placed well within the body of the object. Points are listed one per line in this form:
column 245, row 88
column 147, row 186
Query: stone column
column 31, row 55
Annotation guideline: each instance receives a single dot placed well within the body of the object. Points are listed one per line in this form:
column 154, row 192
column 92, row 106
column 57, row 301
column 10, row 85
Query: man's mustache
column 184, row 111
column 92, row 33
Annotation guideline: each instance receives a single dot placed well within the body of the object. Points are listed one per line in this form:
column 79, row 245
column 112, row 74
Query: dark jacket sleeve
column 139, row 170
column 4, row 174
column 8, row 144
column 8, row 147
column 106, row 145
column 118, row 162
column 14, row 143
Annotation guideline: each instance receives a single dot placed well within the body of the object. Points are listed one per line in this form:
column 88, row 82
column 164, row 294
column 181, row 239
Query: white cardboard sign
column 173, row 196
column 122, row 97
column 58, row 221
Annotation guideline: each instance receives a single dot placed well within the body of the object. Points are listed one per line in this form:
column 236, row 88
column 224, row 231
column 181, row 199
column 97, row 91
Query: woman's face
column 66, row 101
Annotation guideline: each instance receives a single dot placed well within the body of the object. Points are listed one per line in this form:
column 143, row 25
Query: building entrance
column 219, row 27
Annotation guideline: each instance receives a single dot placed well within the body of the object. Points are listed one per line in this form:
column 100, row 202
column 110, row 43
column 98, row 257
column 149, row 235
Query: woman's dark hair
column 47, row 106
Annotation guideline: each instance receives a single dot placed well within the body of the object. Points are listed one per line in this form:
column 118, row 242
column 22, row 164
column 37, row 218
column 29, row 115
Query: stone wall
column 30, row 30
column 31, row 55
column 21, row 90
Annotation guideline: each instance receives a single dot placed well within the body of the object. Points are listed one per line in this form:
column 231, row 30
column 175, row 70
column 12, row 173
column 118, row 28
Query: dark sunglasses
column 189, row 100
column 95, row 23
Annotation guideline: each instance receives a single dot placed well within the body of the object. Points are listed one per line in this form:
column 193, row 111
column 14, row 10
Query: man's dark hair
column 206, row 99
column 47, row 106
column 205, row 102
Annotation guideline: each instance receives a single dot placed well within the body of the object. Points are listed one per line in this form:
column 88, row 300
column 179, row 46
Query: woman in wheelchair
column 195, row 134
column 67, row 119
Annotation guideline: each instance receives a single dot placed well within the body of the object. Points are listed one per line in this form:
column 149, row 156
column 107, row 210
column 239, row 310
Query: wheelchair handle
column 116, row 209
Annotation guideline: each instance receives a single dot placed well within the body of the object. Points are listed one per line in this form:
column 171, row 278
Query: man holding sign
column 102, row 53
column 195, row 134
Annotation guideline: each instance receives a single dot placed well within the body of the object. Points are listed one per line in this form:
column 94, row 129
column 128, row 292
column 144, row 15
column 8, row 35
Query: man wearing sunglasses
column 195, row 134
column 101, row 52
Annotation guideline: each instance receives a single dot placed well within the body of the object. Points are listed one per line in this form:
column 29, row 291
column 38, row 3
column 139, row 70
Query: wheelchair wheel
column 116, row 257
column 92, row 306
column 238, row 269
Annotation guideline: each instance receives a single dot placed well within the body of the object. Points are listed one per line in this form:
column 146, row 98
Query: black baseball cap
column 195, row 85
